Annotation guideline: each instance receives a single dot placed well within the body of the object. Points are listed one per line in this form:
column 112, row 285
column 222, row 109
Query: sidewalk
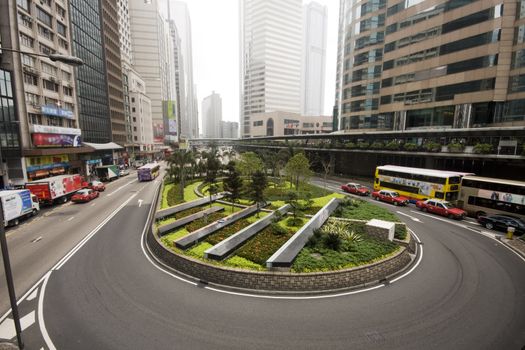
column 515, row 244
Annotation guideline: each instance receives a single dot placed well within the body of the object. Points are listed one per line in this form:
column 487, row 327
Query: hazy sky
column 215, row 30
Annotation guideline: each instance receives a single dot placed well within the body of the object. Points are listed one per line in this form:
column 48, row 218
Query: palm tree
column 178, row 165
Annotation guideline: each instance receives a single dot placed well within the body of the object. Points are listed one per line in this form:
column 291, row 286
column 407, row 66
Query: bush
column 401, row 232
column 350, row 145
column 363, row 145
column 393, row 146
column 292, row 222
column 410, row 146
column 377, row 145
column 483, row 148
column 431, row 146
column 174, row 196
column 333, row 241
column 455, row 147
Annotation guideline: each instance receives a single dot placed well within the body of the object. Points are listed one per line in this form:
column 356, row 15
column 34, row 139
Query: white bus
column 486, row 196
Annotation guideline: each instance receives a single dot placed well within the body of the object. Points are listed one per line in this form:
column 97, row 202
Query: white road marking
column 93, row 204
column 71, row 218
column 121, row 187
column 7, row 327
column 33, row 295
column 41, row 321
column 38, row 239
column 140, row 202
column 410, row 216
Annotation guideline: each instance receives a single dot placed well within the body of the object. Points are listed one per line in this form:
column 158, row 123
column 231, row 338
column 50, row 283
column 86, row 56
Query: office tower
column 315, row 18
column 39, row 134
column 180, row 92
column 212, row 116
column 151, row 58
column 110, row 21
column 190, row 120
column 94, row 116
column 230, row 130
column 270, row 58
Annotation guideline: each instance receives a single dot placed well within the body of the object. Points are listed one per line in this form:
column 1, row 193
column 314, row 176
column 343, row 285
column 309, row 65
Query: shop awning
column 103, row 146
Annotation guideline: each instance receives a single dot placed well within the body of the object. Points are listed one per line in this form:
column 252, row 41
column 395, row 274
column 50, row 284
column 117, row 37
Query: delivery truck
column 107, row 172
column 17, row 205
column 56, row 189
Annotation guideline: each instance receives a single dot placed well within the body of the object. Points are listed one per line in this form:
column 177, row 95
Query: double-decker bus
column 148, row 172
column 488, row 196
column 418, row 183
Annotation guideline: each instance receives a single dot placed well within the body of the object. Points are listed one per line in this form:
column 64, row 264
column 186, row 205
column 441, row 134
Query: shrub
column 393, row 146
column 333, row 241
column 401, row 232
column 455, row 147
column 292, row 222
column 432, row 146
column 350, row 145
column 315, row 239
column 174, row 196
column 377, row 145
column 363, row 145
column 410, row 146
column 483, row 148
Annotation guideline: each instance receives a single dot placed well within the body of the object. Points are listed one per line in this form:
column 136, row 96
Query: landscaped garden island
column 241, row 228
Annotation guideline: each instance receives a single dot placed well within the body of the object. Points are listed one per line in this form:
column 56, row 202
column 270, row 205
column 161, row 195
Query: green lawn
column 189, row 193
column 361, row 210
column 165, row 190
column 317, row 202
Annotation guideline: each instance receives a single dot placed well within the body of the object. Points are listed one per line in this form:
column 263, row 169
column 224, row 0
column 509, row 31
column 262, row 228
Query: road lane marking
column 7, row 327
column 33, row 295
column 41, row 322
column 410, row 216
column 34, row 240
column 121, row 187
column 140, row 202
column 71, row 218
column 93, row 204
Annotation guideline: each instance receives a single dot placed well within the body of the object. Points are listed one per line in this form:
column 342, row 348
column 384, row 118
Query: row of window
column 30, row 79
column 370, row 121
column 8, row 123
column 36, row 119
column 459, row 45
column 417, row 177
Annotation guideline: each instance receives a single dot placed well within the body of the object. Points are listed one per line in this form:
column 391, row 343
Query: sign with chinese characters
column 48, row 129
column 55, row 140
column 47, row 162
column 57, row 112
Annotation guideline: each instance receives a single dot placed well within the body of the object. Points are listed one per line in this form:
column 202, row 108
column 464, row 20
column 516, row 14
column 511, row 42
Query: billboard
column 55, row 140
column 158, row 132
column 169, row 109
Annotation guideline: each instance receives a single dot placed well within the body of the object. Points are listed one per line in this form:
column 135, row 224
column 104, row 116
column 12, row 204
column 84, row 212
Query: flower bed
column 231, row 229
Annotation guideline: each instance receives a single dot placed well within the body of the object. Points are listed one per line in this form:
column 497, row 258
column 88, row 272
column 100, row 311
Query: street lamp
column 73, row 61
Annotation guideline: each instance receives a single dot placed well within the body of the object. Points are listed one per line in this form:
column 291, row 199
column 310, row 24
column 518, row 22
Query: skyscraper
column 94, row 116
column 315, row 17
column 212, row 116
column 189, row 117
column 270, row 58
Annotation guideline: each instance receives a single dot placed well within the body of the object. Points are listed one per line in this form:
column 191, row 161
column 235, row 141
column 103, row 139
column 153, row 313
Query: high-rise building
column 433, row 64
column 110, row 28
column 270, row 58
column 315, row 19
column 140, row 103
column 88, row 45
column 230, row 130
column 212, row 116
column 39, row 134
column 151, row 46
column 180, row 92
column 179, row 13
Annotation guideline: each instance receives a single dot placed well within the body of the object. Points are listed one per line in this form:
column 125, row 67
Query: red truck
column 390, row 197
column 56, row 189
column 355, row 189
column 443, row 208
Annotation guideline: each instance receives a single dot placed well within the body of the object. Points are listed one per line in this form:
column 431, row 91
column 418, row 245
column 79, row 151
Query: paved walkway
column 517, row 244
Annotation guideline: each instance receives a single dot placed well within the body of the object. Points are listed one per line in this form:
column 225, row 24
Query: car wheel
column 376, row 198
column 489, row 225
column 64, row 199
column 396, row 203
column 424, row 209
column 15, row 222
column 450, row 216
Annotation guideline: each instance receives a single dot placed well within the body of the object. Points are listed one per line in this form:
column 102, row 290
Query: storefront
column 46, row 166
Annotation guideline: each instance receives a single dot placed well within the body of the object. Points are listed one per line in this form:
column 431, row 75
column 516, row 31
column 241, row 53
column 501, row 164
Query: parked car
column 97, row 186
column 390, row 197
column 124, row 172
column 84, row 195
column 357, row 189
column 502, row 223
column 442, row 208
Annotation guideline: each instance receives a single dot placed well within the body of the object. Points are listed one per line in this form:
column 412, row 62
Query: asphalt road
column 467, row 293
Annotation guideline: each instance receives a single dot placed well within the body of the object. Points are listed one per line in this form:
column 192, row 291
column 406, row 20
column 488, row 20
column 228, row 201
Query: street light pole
column 9, row 279
column 55, row 57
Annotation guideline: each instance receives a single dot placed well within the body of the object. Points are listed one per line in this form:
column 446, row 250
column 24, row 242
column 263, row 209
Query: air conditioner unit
column 52, row 79
column 35, row 105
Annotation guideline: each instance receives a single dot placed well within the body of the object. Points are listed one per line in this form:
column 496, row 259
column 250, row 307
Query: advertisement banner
column 58, row 112
column 47, row 162
column 55, row 140
column 15, row 204
column 158, row 132
column 169, row 109
column 502, row 196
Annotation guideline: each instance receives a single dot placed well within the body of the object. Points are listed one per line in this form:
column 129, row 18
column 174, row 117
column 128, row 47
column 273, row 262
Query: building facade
column 212, row 116
column 88, row 45
column 39, row 136
column 270, row 58
column 432, row 64
column 230, row 130
column 151, row 44
column 141, row 122
column 315, row 19
column 110, row 27
column 179, row 13
column 286, row 123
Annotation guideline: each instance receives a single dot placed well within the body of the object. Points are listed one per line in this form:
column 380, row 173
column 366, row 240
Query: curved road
column 467, row 293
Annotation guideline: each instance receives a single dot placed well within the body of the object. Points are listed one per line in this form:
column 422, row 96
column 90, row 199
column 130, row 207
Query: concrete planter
column 164, row 229
column 183, row 206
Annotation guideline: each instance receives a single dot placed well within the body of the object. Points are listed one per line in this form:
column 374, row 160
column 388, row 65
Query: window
column 25, row 20
column 46, row 33
column 46, row 50
column 134, row 128
column 258, row 123
column 54, row 121
column 67, row 91
column 32, row 99
column 63, row 43
column 30, row 79
column 24, row 4
column 49, row 69
column 35, row 119
column 26, row 40
column 49, row 85
column 66, row 76
column 134, row 120
column 517, row 83
column 60, row 11
column 133, row 109
column 61, row 29
column 44, row 16
column 133, row 99
column 28, row 60
column 135, row 137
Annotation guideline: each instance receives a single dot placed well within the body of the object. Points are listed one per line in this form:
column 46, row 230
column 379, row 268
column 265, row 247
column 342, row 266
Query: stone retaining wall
column 280, row 281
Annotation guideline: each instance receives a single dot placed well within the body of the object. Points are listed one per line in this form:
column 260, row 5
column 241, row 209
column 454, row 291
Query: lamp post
column 73, row 61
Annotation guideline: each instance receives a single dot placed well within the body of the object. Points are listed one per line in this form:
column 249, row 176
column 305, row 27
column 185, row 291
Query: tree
column 257, row 187
column 298, row 169
column 212, row 190
column 212, row 163
column 249, row 164
column 178, row 167
column 233, row 184
column 297, row 209
column 326, row 164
